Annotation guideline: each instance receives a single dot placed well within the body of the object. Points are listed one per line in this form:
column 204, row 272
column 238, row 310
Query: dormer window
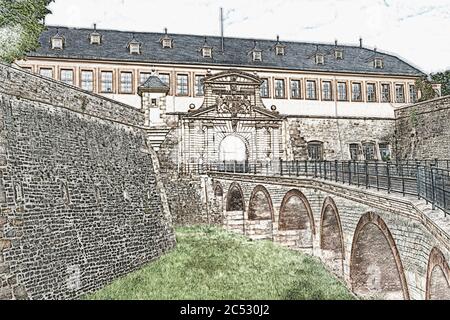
column 320, row 59
column 207, row 52
column 57, row 42
column 279, row 50
column 96, row 38
column 134, row 46
column 339, row 54
column 166, row 41
column 378, row 63
column 257, row 56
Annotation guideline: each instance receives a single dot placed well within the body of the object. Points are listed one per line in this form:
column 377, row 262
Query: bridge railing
column 425, row 180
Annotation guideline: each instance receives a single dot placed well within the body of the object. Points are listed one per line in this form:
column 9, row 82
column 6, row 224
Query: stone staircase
column 156, row 137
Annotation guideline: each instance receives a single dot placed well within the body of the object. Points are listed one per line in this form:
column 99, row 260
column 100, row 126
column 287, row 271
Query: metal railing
column 425, row 180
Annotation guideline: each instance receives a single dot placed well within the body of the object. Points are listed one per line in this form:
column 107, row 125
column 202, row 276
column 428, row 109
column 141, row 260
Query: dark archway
column 331, row 237
column 296, row 214
column 260, row 206
column 235, row 198
column 438, row 277
column 375, row 266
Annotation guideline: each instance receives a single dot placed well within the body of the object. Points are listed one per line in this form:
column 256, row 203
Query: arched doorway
column 218, row 200
column 331, row 237
column 233, row 153
column 438, row 277
column 296, row 222
column 376, row 269
column 235, row 207
column 260, row 215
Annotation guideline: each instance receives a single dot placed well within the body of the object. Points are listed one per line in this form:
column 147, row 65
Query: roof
column 186, row 50
column 153, row 84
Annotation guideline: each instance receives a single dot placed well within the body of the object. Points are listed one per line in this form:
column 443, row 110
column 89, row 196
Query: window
column 167, row 43
column 320, row 59
column 385, row 151
column 371, row 92
column 412, row 93
column 280, row 89
column 369, row 151
column 126, row 82
column 311, row 90
column 165, row 78
column 354, row 151
column 57, row 43
column 265, row 88
column 135, row 48
column 339, row 54
column 279, row 50
column 96, row 38
column 66, row 76
column 46, row 72
column 356, row 92
column 257, row 56
column 182, row 85
column 378, row 63
column 28, row 69
column 143, row 77
column 107, row 81
column 327, row 93
column 399, row 93
column 199, row 85
column 385, row 93
column 87, row 80
column 315, row 151
column 295, row 89
column 207, row 52
column 342, row 91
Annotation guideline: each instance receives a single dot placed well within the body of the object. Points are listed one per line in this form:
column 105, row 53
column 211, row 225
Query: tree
column 424, row 86
column 444, row 79
column 21, row 24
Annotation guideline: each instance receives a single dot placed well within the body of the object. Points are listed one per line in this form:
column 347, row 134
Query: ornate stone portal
column 232, row 107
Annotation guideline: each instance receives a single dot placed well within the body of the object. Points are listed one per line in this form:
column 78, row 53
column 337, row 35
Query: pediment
column 256, row 113
column 234, row 77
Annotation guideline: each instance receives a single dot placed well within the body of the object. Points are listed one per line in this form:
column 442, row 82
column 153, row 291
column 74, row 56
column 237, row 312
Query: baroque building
column 212, row 99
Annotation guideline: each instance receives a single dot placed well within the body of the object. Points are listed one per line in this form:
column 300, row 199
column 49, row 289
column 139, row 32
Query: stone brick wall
column 423, row 130
column 36, row 88
column 336, row 135
column 80, row 202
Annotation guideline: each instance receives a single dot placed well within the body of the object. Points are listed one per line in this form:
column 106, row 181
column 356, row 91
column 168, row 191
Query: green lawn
column 209, row 263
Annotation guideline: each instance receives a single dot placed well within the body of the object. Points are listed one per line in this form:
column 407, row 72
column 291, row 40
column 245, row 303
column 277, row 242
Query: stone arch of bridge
column 376, row 268
column 331, row 237
column 235, row 198
column 218, row 195
column 260, row 206
column 438, row 277
column 296, row 215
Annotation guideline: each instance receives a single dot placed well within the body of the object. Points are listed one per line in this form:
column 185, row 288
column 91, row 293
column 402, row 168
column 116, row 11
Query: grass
column 211, row 264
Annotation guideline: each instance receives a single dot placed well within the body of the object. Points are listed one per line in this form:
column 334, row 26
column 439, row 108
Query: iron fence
column 425, row 180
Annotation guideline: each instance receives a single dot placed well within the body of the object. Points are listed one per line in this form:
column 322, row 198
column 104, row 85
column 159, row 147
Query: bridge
column 385, row 232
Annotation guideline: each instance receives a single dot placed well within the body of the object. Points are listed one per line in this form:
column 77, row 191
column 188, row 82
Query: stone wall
column 352, row 230
column 423, row 130
column 80, row 201
column 336, row 135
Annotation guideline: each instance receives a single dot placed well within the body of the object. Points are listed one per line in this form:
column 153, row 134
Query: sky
column 418, row 31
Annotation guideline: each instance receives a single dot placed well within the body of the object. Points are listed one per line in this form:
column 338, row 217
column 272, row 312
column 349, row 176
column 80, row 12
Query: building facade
column 237, row 99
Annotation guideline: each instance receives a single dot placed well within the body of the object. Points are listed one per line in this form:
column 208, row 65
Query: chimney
column 95, row 27
column 360, row 42
column 336, row 43
column 222, row 30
